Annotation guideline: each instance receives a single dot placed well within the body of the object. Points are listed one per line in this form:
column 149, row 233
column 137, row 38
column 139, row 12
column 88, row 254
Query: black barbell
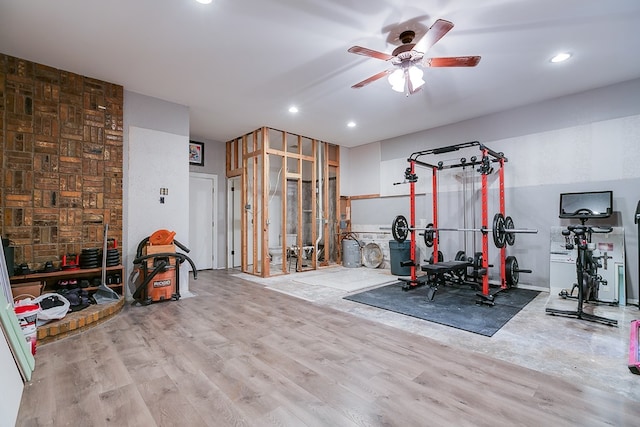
column 503, row 230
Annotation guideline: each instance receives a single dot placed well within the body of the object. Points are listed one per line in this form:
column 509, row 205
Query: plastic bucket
column 351, row 255
column 27, row 315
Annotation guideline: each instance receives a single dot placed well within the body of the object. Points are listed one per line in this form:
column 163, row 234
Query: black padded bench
column 439, row 273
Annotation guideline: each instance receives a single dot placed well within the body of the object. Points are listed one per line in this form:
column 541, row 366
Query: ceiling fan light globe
column 396, row 79
column 415, row 75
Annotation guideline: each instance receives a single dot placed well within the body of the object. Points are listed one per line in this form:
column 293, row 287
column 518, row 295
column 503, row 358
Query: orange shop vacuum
column 157, row 265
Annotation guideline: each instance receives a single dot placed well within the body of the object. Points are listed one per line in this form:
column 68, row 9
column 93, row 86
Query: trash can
column 8, row 255
column 399, row 252
column 351, row 253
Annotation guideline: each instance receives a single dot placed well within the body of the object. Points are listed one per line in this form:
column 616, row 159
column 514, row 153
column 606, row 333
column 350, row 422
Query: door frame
column 214, row 207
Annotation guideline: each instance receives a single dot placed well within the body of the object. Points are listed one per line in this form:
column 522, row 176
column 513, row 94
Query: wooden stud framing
column 264, row 227
column 247, row 157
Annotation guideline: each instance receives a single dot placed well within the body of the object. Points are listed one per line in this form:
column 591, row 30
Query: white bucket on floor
column 27, row 315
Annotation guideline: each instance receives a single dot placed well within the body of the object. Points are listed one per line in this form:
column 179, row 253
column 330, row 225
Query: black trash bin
column 399, row 252
column 8, row 255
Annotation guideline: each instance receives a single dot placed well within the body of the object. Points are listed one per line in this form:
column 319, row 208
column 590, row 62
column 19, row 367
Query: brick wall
column 61, row 159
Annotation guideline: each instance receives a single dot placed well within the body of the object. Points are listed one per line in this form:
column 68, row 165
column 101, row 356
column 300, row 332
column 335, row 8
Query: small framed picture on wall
column 196, row 153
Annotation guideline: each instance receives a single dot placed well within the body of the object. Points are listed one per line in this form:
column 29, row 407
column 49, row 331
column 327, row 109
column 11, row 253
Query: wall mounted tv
column 592, row 204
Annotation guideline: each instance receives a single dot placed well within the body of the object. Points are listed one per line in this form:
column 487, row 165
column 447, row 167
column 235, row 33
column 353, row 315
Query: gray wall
column 583, row 142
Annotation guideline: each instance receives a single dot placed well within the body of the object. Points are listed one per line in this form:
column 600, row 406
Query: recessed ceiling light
column 204, row 1
column 561, row 57
column 351, row 124
column 293, row 109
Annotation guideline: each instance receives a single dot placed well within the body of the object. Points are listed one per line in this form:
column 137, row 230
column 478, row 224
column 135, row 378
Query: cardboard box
column 26, row 290
column 159, row 249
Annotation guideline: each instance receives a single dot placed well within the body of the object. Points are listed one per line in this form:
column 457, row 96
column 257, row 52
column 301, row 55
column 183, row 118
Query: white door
column 234, row 214
column 201, row 220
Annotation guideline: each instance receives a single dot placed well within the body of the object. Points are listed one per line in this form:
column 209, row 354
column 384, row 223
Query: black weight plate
column 400, row 228
column 477, row 261
column 440, row 257
column 89, row 255
column 512, row 271
column 498, row 231
column 429, row 236
column 460, row 256
column 90, row 250
column 510, row 237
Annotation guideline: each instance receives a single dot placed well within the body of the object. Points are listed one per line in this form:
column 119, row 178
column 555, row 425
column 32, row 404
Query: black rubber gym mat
column 452, row 306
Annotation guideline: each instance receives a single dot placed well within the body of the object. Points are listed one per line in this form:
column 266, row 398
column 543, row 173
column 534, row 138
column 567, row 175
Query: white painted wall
column 10, row 386
column 583, row 142
column 158, row 156
column 156, row 135
column 215, row 164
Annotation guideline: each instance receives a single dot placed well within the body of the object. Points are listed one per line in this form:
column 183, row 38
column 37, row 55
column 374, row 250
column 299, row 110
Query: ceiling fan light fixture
column 415, row 75
column 399, row 83
column 396, row 80
column 204, row 1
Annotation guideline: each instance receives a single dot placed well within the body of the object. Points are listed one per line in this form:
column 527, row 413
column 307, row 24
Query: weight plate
column 508, row 225
column 498, row 231
column 460, row 256
column 400, row 228
column 440, row 257
column 429, row 235
column 477, row 261
column 512, row 271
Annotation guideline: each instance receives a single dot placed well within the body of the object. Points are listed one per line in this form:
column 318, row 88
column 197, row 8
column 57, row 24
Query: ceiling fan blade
column 435, row 33
column 453, row 61
column 370, row 53
column 371, row 79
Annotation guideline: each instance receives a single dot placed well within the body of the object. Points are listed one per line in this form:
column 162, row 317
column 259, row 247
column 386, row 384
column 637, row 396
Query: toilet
column 275, row 253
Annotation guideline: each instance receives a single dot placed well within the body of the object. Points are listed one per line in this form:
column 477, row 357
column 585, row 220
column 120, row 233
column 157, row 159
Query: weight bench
column 441, row 272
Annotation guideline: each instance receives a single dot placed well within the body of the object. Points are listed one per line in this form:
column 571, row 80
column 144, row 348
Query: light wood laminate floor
column 240, row 354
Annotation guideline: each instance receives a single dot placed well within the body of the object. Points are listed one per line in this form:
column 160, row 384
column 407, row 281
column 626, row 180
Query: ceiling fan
column 406, row 76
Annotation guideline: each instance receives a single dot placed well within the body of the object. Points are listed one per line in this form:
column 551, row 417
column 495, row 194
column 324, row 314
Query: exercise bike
column 587, row 264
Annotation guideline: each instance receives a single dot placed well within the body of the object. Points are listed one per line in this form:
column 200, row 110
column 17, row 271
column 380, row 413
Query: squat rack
column 488, row 157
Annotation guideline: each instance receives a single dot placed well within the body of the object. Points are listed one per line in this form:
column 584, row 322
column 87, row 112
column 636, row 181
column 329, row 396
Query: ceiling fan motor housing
column 407, row 37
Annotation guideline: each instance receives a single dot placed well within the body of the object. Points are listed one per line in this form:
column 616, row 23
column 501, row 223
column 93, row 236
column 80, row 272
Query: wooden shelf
column 61, row 274
column 48, row 281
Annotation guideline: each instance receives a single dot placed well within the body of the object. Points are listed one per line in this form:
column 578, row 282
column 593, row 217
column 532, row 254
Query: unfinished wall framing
column 290, row 196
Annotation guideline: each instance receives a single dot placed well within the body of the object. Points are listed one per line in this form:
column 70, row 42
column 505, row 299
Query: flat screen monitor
column 593, row 204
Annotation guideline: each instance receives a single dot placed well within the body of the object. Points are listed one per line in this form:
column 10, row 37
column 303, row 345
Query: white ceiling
column 240, row 64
